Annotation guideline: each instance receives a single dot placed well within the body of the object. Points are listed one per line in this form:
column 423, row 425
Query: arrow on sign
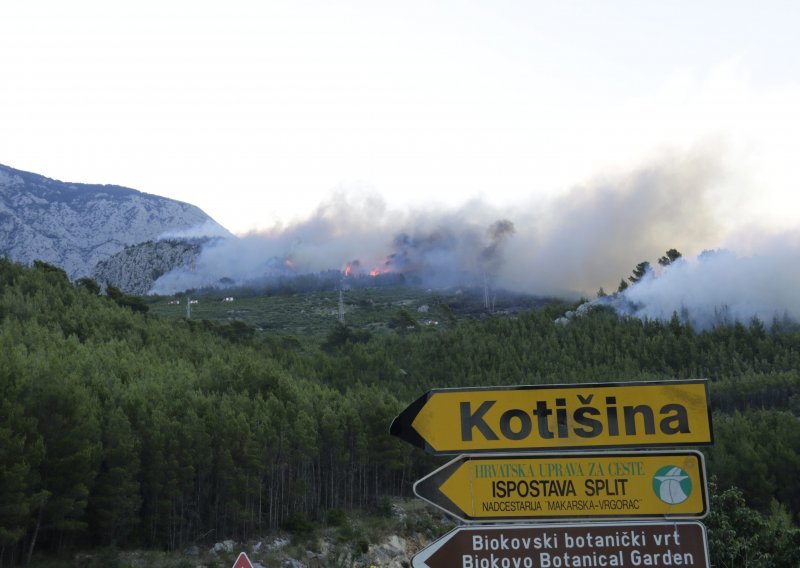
column 609, row 485
column 242, row 561
column 554, row 417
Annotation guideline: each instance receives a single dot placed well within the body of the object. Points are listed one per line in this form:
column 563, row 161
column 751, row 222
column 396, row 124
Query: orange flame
column 352, row 268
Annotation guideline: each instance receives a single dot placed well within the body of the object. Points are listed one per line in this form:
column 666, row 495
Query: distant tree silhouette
column 639, row 272
column 671, row 256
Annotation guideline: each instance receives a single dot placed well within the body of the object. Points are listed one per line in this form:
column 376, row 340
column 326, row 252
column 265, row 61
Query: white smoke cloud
column 438, row 248
column 207, row 229
column 599, row 231
column 591, row 238
column 718, row 287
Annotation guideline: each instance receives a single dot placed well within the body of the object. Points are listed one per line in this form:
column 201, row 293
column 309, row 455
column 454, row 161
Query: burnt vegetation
column 127, row 427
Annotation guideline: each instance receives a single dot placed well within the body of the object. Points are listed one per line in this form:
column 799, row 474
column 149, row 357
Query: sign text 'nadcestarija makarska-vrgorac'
column 538, row 417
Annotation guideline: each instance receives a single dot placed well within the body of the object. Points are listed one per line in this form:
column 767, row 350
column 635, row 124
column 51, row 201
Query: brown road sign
column 556, row 417
column 560, row 545
column 513, row 487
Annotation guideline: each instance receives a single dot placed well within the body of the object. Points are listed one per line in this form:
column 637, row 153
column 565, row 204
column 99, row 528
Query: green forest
column 123, row 428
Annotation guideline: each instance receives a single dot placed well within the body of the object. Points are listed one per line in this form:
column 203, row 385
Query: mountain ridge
column 77, row 225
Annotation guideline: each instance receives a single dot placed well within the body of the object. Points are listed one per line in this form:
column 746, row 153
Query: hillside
column 75, row 225
column 310, row 311
column 135, row 268
column 127, row 429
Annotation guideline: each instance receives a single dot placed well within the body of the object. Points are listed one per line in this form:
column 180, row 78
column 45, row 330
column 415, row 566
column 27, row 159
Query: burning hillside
column 439, row 256
column 566, row 248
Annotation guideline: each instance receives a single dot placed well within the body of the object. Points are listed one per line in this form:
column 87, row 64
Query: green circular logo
column 672, row 484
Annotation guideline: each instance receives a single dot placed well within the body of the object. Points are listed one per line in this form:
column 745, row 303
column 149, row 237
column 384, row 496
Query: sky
column 570, row 115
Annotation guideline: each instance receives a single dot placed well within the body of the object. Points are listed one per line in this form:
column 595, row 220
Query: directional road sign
column 561, row 545
column 513, row 487
column 549, row 417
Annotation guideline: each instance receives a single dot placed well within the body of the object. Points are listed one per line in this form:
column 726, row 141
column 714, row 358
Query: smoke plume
column 718, row 287
column 359, row 236
column 590, row 237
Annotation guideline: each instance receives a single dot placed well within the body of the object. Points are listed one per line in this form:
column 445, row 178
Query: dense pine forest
column 122, row 428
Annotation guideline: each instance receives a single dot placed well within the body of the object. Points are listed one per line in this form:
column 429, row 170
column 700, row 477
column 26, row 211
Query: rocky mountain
column 76, row 226
column 135, row 268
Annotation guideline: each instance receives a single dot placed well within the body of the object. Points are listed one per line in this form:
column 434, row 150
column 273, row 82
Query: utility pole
column 485, row 291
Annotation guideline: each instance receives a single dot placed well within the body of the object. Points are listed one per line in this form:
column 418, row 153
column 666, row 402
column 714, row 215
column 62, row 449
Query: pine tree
column 639, row 272
column 671, row 256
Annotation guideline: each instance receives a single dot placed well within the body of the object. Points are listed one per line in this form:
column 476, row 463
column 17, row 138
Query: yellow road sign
column 508, row 487
column 548, row 417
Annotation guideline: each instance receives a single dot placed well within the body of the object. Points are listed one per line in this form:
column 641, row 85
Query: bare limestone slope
column 75, row 225
column 135, row 269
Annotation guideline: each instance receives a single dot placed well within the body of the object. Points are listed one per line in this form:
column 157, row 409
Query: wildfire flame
column 351, row 268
